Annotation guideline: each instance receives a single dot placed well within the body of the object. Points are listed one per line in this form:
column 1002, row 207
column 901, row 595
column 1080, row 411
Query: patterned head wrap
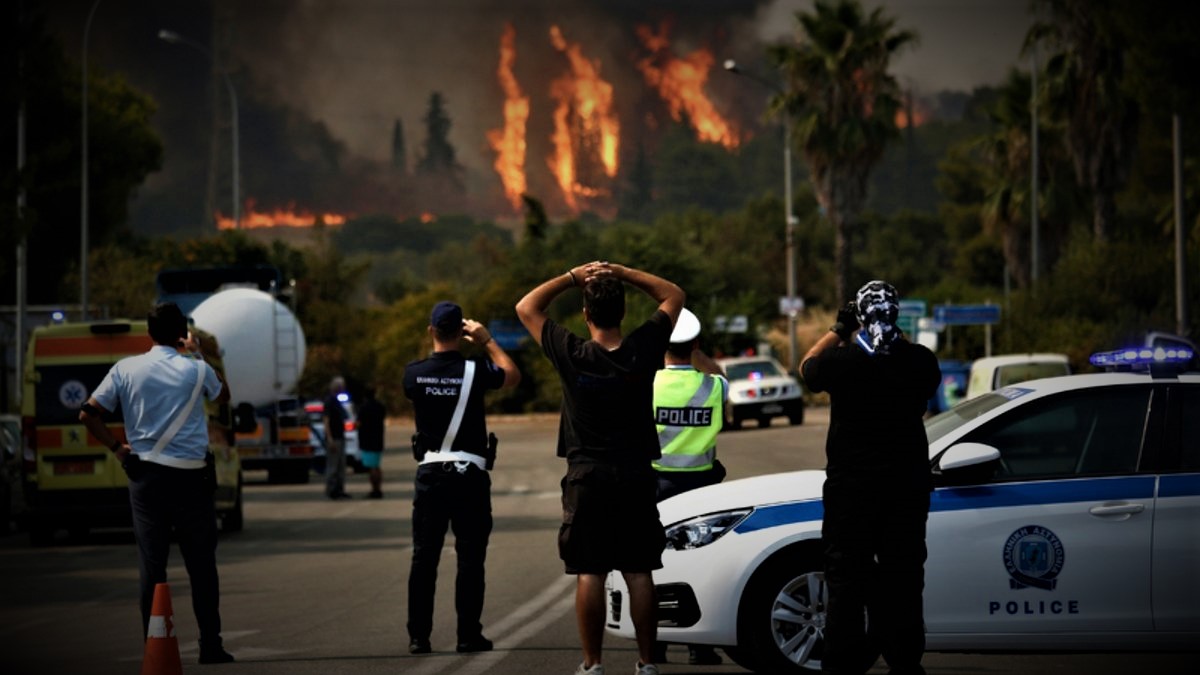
column 878, row 307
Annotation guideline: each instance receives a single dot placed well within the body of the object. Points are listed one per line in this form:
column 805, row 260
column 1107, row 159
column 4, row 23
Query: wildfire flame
column 509, row 142
column 288, row 217
column 680, row 82
column 584, row 100
column 920, row 114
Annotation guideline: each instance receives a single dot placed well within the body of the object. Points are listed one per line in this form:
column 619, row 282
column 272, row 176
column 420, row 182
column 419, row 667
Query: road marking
column 483, row 663
column 551, row 603
column 189, row 647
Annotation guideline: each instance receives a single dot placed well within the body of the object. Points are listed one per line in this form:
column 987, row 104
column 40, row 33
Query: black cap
column 446, row 316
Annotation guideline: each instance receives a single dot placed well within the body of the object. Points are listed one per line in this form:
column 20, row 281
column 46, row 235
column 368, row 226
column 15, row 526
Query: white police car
column 760, row 388
column 1066, row 517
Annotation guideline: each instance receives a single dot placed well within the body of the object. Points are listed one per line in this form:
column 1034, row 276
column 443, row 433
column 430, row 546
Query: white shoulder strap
column 464, row 392
column 177, row 423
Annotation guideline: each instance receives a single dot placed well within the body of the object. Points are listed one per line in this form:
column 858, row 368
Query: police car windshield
column 943, row 423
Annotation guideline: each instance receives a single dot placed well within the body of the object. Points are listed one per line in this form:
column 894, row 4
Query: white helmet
column 687, row 327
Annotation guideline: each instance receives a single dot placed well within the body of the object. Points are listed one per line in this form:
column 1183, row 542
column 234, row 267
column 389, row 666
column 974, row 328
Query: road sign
column 791, row 306
column 966, row 315
column 910, row 311
column 737, row 323
column 507, row 333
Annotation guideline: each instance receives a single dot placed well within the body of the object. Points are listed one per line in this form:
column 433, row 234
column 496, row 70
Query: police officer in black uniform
column 453, row 488
column 877, row 483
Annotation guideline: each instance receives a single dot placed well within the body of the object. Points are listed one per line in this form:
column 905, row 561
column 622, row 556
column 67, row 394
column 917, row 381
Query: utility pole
column 19, row 367
column 83, row 177
column 1181, row 313
column 1033, row 172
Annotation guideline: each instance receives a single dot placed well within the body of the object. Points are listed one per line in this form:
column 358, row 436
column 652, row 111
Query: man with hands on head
column 608, row 437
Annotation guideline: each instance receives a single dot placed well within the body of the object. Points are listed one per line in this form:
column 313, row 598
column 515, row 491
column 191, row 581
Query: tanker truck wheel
column 234, row 520
column 291, row 472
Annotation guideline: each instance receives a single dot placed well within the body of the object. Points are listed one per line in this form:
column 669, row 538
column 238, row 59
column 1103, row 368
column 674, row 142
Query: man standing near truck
column 335, row 441
column 170, row 484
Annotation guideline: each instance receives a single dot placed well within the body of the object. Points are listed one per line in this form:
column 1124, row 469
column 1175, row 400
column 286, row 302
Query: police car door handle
column 1125, row 509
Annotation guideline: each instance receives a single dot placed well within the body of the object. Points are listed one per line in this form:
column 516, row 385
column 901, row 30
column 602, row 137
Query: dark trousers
column 462, row 502
column 875, row 576
column 335, row 467
column 671, row 483
column 177, row 503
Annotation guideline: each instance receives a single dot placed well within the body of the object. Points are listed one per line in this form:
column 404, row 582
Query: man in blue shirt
column 170, row 489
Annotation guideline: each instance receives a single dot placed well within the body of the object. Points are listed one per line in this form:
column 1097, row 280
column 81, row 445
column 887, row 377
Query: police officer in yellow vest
column 689, row 406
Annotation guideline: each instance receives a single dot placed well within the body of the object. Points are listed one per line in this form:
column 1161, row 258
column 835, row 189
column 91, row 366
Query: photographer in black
column 877, row 484
column 453, row 488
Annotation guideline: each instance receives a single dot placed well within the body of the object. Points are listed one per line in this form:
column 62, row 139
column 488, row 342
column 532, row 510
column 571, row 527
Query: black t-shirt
column 876, row 408
column 608, row 396
column 433, row 383
column 337, row 418
column 371, row 419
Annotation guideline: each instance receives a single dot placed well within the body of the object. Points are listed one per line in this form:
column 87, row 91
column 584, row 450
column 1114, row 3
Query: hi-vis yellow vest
column 689, row 407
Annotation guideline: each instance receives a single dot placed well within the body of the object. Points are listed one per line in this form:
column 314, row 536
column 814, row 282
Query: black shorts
column 610, row 520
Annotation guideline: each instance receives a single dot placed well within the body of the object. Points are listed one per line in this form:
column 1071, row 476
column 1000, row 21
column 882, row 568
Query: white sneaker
column 645, row 669
column 596, row 669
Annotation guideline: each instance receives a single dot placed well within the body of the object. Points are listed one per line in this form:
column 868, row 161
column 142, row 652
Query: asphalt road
column 317, row 586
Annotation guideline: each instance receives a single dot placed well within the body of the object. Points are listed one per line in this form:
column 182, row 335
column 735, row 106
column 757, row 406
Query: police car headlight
column 704, row 530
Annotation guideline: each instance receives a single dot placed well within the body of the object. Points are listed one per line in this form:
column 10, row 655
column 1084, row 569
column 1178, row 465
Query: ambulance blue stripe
column 1179, row 485
column 991, row 497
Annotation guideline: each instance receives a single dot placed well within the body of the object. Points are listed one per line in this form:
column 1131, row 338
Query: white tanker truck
column 263, row 349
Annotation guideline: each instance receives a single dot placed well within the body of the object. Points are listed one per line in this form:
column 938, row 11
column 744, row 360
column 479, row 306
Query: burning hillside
column 575, row 98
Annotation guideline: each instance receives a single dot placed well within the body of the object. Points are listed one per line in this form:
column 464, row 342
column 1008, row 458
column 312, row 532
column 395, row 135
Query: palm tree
column 1086, row 87
column 842, row 104
column 1005, row 154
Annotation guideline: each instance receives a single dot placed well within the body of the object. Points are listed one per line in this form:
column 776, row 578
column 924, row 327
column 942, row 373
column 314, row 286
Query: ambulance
column 72, row 482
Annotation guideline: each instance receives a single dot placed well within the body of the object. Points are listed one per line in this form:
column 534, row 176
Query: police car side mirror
column 966, row 464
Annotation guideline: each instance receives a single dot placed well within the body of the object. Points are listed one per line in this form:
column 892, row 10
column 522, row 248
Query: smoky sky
column 962, row 43
column 322, row 82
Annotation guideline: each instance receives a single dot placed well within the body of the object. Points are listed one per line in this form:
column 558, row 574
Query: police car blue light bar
column 1143, row 356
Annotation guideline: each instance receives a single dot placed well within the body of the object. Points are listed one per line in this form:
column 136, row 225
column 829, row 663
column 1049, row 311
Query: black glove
column 847, row 322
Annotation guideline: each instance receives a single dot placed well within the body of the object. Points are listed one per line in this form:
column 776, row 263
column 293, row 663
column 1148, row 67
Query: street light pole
column 83, row 177
column 175, row 38
column 790, row 219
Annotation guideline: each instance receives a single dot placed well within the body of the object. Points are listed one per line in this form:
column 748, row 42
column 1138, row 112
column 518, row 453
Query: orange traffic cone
column 162, row 649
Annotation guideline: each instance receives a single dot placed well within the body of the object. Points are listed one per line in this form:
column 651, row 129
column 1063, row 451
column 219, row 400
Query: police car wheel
column 781, row 623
